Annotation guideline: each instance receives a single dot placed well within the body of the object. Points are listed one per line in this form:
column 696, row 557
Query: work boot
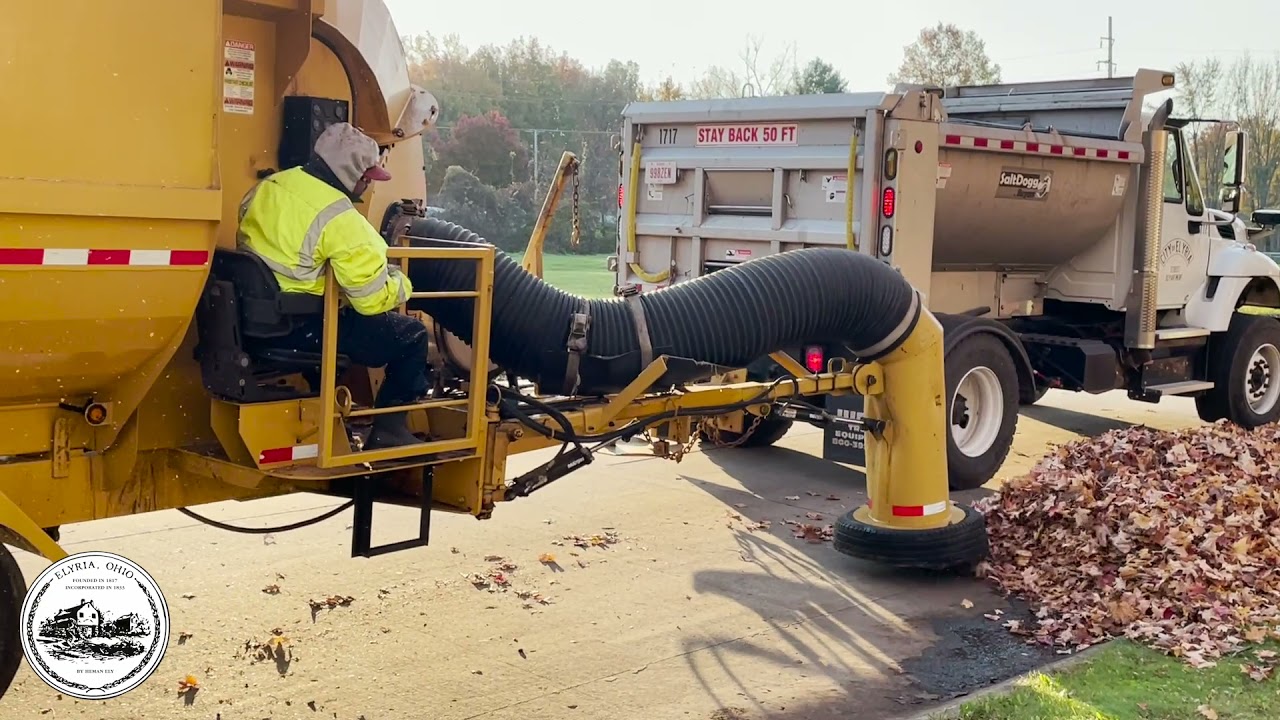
column 391, row 430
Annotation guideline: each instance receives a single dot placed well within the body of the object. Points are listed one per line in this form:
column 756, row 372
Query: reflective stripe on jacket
column 296, row 222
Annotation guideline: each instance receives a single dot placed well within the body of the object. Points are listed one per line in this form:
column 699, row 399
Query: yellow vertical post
column 907, row 461
column 328, row 369
column 481, row 325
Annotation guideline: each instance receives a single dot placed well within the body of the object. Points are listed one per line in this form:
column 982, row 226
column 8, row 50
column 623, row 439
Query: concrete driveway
column 690, row 614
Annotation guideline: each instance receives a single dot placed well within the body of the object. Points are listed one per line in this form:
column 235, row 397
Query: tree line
column 509, row 112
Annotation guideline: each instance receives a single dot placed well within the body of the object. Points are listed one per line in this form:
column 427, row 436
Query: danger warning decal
column 1022, row 184
column 237, row 77
column 746, row 134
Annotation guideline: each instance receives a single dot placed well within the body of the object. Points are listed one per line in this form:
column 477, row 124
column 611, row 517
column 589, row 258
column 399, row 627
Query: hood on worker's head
column 351, row 155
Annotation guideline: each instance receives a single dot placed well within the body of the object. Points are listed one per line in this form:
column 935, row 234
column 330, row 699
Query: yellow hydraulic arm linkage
column 532, row 261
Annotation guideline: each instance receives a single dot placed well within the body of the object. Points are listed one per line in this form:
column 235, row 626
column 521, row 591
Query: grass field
column 1127, row 682
column 584, row 275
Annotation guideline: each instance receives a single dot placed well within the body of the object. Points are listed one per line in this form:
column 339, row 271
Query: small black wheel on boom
column 957, row 546
column 13, row 588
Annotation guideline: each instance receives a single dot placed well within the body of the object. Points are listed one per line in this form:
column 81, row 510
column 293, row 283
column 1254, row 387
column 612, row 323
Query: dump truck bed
column 1025, row 177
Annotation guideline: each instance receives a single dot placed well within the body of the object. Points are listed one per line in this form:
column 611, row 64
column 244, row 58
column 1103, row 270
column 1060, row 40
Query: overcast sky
column 864, row 40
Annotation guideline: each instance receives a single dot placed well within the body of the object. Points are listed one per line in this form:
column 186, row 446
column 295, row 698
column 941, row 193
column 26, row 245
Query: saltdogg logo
column 1035, row 184
column 94, row 626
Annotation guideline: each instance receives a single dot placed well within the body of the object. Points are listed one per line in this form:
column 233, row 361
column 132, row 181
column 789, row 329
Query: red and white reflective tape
column 289, row 454
column 75, row 257
column 1036, row 148
column 918, row 510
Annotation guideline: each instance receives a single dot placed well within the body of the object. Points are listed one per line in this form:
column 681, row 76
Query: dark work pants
column 391, row 340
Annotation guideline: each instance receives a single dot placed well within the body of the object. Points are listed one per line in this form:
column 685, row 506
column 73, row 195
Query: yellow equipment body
column 110, row 236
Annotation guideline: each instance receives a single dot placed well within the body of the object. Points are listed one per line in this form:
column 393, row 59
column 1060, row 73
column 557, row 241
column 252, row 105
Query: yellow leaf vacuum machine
column 138, row 370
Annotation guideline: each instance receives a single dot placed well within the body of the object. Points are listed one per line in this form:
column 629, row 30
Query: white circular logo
column 94, row 626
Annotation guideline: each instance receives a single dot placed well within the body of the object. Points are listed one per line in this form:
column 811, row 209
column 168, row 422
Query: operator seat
column 241, row 311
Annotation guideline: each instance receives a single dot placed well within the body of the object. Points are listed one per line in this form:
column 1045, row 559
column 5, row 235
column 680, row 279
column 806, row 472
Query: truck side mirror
column 1233, row 164
column 1266, row 218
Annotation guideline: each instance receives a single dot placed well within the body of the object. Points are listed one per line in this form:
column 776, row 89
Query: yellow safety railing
column 333, row 411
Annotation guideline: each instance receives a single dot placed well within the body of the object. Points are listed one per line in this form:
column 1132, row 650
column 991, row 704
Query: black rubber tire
column 13, row 589
column 769, row 431
column 1229, row 355
column 958, row 545
column 980, row 350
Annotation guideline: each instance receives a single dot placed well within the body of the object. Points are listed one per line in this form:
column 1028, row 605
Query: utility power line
column 1109, row 42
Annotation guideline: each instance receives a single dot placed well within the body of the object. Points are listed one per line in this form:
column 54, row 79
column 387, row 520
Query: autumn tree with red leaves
column 485, row 146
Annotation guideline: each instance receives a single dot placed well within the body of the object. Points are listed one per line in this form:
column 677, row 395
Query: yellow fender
column 21, row 531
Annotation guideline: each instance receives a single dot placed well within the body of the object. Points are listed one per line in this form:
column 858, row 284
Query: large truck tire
column 770, row 430
column 1244, row 367
column 1035, row 395
column 13, row 589
column 982, row 409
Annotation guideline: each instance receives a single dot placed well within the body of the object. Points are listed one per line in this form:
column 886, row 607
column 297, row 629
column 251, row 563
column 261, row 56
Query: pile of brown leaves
column 1170, row 539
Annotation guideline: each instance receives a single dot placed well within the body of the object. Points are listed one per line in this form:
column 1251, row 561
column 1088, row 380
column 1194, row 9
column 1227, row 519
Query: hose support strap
column 642, row 330
column 576, row 345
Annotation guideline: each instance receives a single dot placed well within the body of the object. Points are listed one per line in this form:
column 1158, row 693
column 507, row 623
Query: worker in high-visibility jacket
column 303, row 219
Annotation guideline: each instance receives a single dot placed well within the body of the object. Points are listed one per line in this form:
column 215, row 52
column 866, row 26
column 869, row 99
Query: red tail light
column 890, row 202
column 814, row 359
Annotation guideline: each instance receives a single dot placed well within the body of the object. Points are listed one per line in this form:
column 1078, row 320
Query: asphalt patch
column 972, row 653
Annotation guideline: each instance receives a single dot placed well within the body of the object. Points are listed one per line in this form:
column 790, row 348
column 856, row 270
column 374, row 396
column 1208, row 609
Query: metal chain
column 713, row 432
column 683, row 449
column 577, row 214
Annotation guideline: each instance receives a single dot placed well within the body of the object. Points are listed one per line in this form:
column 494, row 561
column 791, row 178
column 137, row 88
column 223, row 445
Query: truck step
column 1184, row 387
column 1180, row 333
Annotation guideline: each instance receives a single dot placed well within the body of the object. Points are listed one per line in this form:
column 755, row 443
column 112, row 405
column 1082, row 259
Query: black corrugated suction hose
column 725, row 319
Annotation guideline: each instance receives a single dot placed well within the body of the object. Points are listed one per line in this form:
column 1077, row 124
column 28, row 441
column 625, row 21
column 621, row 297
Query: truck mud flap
column 841, row 442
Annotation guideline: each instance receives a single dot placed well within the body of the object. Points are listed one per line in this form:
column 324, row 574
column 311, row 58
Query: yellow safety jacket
column 296, row 223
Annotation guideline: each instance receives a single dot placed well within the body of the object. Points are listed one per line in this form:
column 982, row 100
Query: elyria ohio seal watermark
column 94, row 626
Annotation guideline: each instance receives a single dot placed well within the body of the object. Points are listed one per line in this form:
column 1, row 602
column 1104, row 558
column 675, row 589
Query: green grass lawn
column 579, row 274
column 1124, row 681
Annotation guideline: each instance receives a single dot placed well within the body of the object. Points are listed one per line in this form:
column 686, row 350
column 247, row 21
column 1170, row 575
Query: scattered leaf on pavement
column 966, row 603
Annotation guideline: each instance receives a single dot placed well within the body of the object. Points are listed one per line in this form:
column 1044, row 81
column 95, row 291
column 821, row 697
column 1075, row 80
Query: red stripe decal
column 1123, row 154
column 276, row 455
column 1055, row 149
column 1033, row 147
column 1103, row 152
column 21, row 256
column 108, row 257
column 1079, row 152
column 979, row 142
column 1006, row 144
column 953, row 139
column 908, row 510
column 188, row 257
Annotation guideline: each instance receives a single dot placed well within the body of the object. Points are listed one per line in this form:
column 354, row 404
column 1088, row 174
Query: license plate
column 660, row 173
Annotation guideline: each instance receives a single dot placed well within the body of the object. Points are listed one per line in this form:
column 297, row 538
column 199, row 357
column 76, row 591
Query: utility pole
column 535, row 160
column 1109, row 42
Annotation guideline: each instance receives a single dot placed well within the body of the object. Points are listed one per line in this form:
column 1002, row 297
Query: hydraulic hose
column 725, row 319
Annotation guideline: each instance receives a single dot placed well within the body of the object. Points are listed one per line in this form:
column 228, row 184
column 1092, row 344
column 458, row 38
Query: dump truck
column 1016, row 209
column 143, row 362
